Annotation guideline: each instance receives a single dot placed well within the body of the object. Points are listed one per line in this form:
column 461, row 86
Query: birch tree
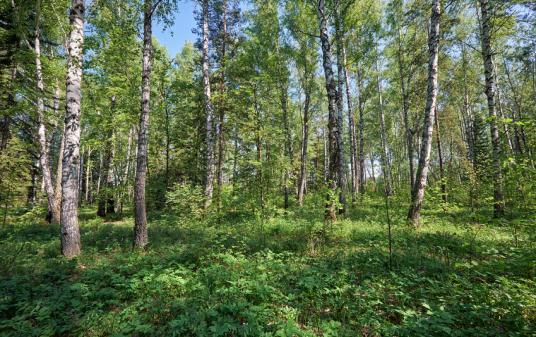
column 334, row 128
column 42, row 133
column 209, row 109
column 487, row 57
column 70, row 233
column 141, row 238
column 417, row 194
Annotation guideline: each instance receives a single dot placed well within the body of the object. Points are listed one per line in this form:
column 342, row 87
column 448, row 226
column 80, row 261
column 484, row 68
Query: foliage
column 186, row 200
column 451, row 278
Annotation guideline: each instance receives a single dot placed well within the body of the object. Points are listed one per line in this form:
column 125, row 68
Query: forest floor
column 460, row 274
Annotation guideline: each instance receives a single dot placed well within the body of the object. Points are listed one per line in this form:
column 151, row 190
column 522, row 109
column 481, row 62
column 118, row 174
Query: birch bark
column 70, row 233
column 417, row 194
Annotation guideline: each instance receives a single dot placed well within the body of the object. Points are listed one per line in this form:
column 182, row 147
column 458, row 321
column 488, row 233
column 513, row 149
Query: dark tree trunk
column 334, row 129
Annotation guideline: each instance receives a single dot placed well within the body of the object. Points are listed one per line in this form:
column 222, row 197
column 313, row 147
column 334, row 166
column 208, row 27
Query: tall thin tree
column 54, row 215
column 334, row 129
column 209, row 110
column 70, row 233
column 487, row 56
column 417, row 194
column 141, row 238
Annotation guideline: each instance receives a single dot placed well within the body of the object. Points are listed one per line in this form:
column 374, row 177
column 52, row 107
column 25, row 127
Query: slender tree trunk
column 30, row 197
column 106, row 203
column 57, row 188
column 54, row 216
column 467, row 111
column 70, row 233
column 288, row 142
column 417, row 194
column 340, row 103
column 441, row 161
column 81, row 178
column 511, row 147
column 372, row 170
column 305, row 137
column 386, row 166
column 405, row 112
column 334, row 129
column 351, row 130
column 5, row 122
column 519, row 133
column 103, row 178
column 221, row 121
column 88, row 176
column 361, row 126
column 141, row 238
column 487, row 54
column 209, row 110
column 110, row 184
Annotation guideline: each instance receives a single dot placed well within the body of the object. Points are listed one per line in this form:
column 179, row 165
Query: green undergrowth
column 460, row 274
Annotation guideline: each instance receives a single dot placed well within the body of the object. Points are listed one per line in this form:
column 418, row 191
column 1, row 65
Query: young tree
column 70, row 233
column 417, row 193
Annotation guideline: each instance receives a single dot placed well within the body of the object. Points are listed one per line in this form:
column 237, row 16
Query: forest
column 301, row 168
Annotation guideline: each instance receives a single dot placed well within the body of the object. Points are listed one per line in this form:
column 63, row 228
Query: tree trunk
column 519, row 132
column 103, row 177
column 5, row 122
column 305, row 137
column 487, row 54
column 405, row 112
column 221, row 118
column 334, row 129
column 340, row 103
column 361, row 126
column 141, row 238
column 30, row 197
column 209, row 174
column 386, row 166
column 106, row 203
column 288, row 142
column 88, row 176
column 54, row 216
column 440, row 157
column 351, row 130
column 57, row 188
column 417, row 194
column 70, row 233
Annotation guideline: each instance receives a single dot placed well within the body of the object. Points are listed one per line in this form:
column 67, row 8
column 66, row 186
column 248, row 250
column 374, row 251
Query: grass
column 460, row 274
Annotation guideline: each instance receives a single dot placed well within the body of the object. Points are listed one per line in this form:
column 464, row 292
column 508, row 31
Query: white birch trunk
column 70, row 233
column 417, row 194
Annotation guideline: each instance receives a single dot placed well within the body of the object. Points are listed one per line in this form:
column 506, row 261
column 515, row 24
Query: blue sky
column 176, row 36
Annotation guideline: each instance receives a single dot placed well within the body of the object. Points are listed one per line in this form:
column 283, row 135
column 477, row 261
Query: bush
column 186, row 200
